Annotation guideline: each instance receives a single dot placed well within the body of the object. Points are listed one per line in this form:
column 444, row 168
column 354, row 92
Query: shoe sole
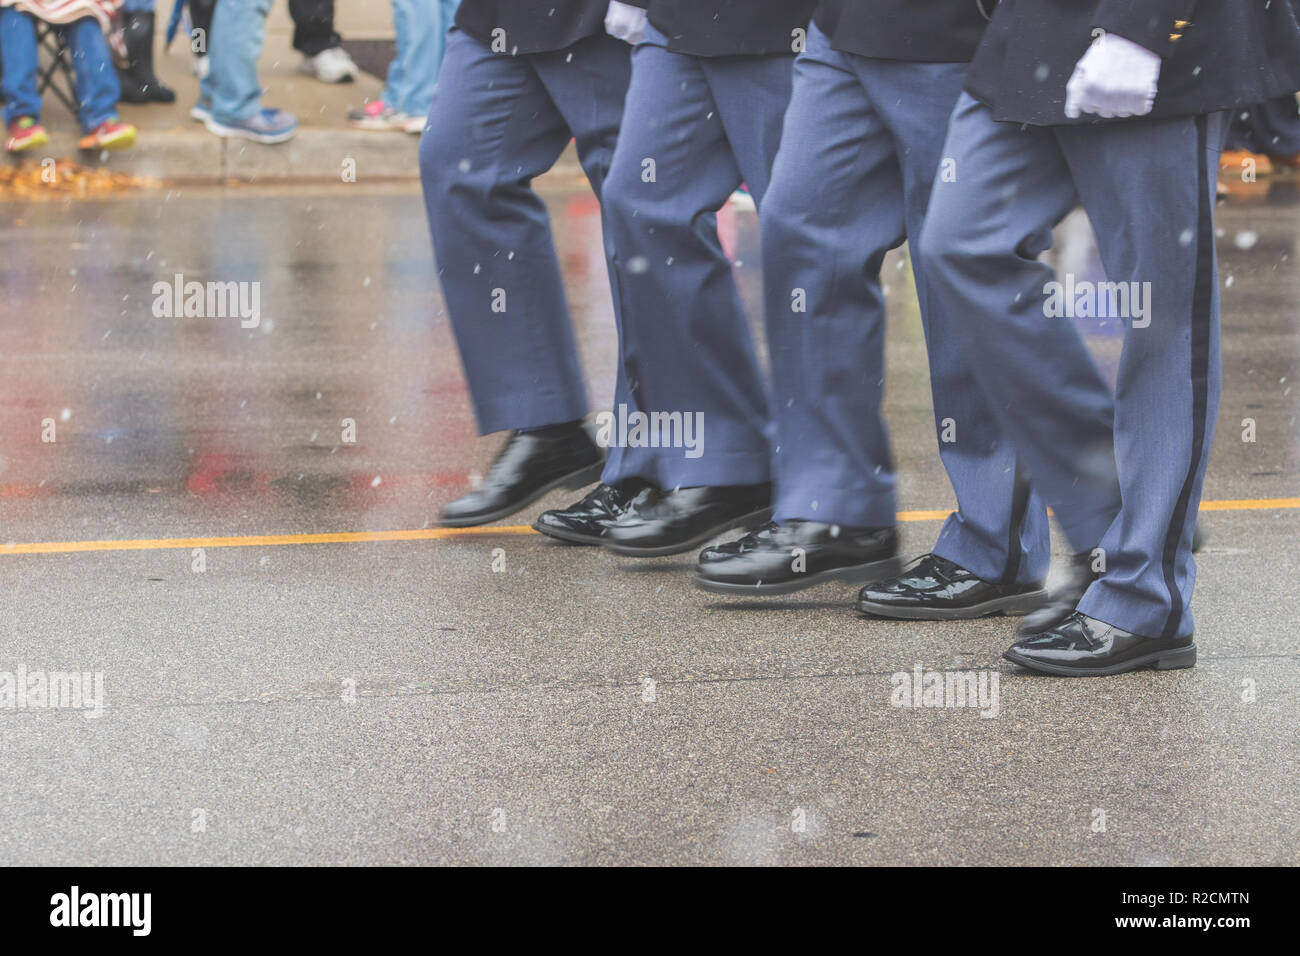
column 587, row 475
column 1012, row 606
column 117, row 141
column 376, row 127
column 200, row 115
column 1168, row 660
column 266, row 139
column 854, row 574
column 663, row 551
column 34, row 142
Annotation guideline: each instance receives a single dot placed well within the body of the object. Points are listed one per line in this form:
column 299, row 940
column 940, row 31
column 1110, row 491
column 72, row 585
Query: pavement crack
column 553, row 686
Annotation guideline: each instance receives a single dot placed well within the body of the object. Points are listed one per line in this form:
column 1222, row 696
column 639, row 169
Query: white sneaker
column 330, row 66
column 415, row 124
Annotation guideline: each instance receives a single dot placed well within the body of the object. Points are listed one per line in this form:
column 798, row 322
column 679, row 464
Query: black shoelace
column 618, row 499
column 933, row 566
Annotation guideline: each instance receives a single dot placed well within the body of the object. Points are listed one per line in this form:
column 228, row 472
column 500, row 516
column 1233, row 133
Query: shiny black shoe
column 1078, row 578
column 677, row 521
column 586, row 521
column 781, row 558
column 1086, row 647
column 936, row 589
column 530, row 465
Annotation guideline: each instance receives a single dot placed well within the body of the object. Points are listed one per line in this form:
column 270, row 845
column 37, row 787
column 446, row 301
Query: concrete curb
column 197, row 156
column 313, row 154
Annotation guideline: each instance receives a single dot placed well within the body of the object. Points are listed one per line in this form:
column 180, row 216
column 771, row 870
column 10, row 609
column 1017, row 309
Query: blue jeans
column 421, row 27
column 231, row 86
column 97, row 86
column 138, row 6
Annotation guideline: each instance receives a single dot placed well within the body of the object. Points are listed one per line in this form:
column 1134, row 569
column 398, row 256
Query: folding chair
column 54, row 70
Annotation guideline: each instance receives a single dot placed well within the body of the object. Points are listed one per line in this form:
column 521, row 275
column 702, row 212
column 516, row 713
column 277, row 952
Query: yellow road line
column 437, row 534
column 923, row 515
column 1250, row 504
column 254, row 540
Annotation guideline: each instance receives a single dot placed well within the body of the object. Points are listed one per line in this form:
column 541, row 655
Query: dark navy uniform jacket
column 1217, row 54
column 534, row 26
column 925, row 31
column 731, row 27
column 698, row 27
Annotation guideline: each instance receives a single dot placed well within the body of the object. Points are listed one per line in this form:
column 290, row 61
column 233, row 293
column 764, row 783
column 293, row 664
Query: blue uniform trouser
column 863, row 140
column 1125, row 477
column 693, row 130
column 497, row 121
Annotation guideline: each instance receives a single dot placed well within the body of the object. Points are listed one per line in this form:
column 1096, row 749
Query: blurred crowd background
column 86, row 57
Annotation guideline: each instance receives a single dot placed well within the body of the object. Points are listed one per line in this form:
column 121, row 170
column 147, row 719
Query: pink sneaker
column 376, row 115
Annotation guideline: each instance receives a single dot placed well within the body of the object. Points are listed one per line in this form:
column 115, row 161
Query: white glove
column 625, row 22
column 1116, row 77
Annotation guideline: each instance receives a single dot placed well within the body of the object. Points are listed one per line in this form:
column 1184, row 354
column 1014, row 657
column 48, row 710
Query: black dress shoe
column 530, row 465
column 1086, row 647
column 935, row 589
column 586, row 521
column 780, row 558
column 1064, row 599
column 676, row 521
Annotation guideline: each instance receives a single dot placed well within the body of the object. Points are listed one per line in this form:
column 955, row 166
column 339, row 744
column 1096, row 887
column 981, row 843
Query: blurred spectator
column 82, row 24
column 421, row 27
column 230, row 96
column 139, row 83
column 201, row 20
column 200, row 23
column 322, row 52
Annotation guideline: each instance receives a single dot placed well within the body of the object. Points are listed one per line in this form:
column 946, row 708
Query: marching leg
column 492, row 128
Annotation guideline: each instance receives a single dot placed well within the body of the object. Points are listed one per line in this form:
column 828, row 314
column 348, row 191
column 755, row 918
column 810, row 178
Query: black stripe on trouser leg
column 1202, row 301
column 1019, row 509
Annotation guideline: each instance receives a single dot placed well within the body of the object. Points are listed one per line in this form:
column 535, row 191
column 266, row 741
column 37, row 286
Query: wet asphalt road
column 402, row 702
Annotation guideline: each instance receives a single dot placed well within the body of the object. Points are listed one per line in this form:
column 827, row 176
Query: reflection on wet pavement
column 172, row 427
